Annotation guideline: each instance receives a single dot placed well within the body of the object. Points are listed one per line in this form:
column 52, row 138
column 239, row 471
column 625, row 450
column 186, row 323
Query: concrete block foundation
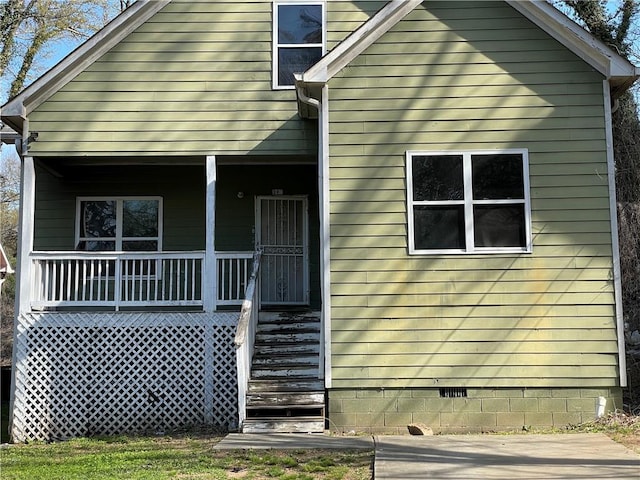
column 389, row 411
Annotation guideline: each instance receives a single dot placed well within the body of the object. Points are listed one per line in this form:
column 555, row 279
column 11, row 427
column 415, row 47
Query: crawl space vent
column 453, row 392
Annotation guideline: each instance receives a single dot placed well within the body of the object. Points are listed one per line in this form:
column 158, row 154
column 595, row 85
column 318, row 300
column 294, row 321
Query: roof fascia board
column 81, row 58
column 346, row 51
column 576, row 38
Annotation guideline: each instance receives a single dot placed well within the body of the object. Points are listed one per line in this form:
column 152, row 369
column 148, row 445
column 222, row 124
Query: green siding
column 464, row 76
column 195, row 79
column 182, row 190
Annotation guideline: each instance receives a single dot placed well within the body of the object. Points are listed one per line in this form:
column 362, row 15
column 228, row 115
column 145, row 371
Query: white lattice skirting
column 83, row 374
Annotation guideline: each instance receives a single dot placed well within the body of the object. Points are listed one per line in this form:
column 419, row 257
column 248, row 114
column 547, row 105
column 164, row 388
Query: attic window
column 298, row 39
column 468, row 202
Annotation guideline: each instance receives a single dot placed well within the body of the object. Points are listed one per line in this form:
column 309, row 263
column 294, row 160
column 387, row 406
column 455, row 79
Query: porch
column 84, row 368
column 111, row 340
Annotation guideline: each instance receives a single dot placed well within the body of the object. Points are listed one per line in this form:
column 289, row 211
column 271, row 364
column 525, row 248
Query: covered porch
column 157, row 333
column 169, row 234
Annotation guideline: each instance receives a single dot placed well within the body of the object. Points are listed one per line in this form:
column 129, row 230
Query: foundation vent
column 453, row 392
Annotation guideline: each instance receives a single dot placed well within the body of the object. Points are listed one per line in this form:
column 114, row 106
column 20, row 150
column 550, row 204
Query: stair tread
column 308, row 406
column 273, row 386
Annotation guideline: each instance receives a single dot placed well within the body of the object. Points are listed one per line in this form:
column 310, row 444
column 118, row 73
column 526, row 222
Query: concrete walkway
column 569, row 456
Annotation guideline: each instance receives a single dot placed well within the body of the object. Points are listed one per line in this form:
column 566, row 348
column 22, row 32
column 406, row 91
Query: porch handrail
column 245, row 336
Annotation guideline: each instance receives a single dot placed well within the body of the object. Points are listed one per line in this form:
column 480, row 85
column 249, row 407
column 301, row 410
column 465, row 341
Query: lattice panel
column 109, row 373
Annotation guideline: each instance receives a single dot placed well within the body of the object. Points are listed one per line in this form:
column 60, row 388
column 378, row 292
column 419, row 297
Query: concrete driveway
column 567, row 456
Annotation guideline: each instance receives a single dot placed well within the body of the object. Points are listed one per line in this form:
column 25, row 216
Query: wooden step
column 276, row 317
column 287, row 337
column 260, row 361
column 285, row 399
column 286, row 349
column 286, row 385
column 284, row 392
column 312, row 424
column 285, row 372
column 289, row 327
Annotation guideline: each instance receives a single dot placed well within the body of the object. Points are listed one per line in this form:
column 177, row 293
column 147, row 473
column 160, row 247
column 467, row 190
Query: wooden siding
column 193, row 80
column 182, row 190
column 464, row 76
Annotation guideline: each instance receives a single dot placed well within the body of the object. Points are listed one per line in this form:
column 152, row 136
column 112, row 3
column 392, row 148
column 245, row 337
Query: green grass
column 175, row 458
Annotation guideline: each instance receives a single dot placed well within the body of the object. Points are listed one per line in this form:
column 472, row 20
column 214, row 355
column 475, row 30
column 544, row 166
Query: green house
column 306, row 215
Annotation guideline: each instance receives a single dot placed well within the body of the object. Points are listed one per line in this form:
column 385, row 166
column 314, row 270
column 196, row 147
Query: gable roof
column 15, row 111
column 619, row 71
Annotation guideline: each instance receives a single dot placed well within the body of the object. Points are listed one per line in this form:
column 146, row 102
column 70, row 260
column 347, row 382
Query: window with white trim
column 468, row 202
column 298, row 39
column 124, row 224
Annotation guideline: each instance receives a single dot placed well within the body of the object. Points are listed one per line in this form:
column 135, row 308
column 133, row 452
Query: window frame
column 468, row 202
column 276, row 45
column 119, row 238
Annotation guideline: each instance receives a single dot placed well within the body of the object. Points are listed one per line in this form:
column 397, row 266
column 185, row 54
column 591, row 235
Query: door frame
column 305, row 243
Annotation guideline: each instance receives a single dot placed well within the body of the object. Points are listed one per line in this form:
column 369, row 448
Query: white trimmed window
column 468, row 202
column 123, row 224
column 298, row 39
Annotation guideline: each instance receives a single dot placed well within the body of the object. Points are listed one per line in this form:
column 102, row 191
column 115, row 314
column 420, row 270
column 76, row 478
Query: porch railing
column 115, row 280
column 234, row 269
column 245, row 337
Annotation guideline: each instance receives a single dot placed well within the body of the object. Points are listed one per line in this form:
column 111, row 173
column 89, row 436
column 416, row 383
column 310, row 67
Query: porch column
column 25, row 237
column 210, row 288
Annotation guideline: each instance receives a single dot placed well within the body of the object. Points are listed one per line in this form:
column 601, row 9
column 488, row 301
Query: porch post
column 210, row 288
column 25, row 238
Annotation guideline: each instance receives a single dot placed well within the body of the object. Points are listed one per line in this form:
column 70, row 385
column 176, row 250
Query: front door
column 282, row 233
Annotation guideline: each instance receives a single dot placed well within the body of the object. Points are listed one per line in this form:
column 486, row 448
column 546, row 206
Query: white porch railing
column 116, row 279
column 234, row 269
column 245, row 337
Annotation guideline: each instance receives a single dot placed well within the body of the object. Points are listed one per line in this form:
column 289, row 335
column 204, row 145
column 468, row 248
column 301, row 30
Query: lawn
column 192, row 456
column 176, row 457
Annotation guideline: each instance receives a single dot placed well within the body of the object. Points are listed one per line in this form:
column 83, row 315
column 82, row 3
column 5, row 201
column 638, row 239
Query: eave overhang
column 16, row 110
column 8, row 135
column 620, row 73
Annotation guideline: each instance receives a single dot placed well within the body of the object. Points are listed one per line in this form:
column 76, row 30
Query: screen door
column 282, row 233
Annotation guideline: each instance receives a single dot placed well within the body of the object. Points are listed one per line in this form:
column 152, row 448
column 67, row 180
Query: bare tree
column 27, row 27
column 9, row 195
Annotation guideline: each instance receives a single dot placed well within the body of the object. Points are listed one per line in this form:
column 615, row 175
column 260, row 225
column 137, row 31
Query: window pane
column 499, row 225
column 139, row 246
column 295, row 60
column 497, row 176
column 140, row 218
column 101, row 246
column 98, row 219
column 438, row 227
column 299, row 24
column 437, row 177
